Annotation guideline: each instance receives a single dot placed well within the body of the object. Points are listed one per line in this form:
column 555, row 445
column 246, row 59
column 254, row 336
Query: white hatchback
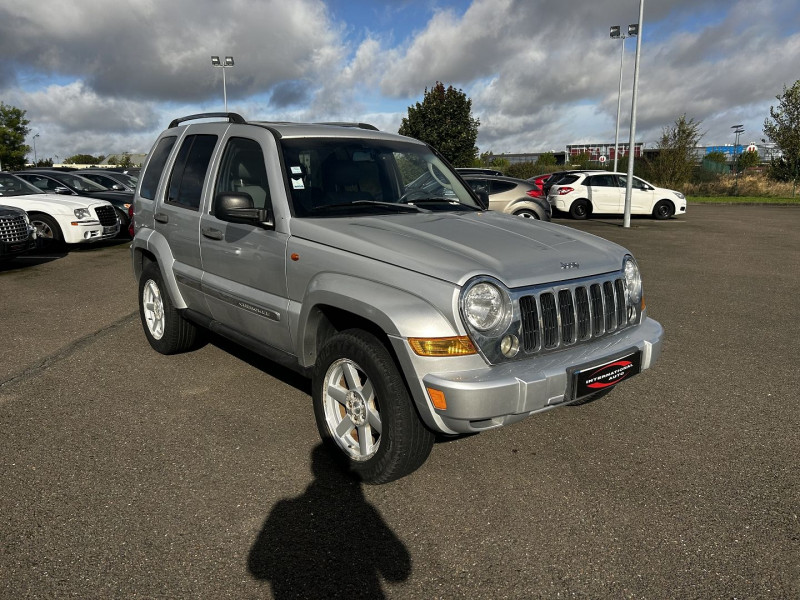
column 600, row 192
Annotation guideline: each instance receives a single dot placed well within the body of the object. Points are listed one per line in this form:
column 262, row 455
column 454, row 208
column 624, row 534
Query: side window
column 152, row 176
column 189, row 173
column 243, row 171
column 501, row 186
column 479, row 185
column 602, row 181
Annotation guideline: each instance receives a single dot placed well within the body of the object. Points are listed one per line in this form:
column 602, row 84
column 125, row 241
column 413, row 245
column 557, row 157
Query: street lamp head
column 633, row 30
column 615, row 32
column 215, row 61
column 228, row 61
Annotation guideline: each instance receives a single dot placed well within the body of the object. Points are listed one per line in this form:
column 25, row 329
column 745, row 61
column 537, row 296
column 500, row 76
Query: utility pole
column 632, row 142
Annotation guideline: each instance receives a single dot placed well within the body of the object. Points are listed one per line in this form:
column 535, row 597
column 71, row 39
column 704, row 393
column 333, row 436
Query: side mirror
column 64, row 191
column 484, row 199
column 237, row 207
column 117, row 187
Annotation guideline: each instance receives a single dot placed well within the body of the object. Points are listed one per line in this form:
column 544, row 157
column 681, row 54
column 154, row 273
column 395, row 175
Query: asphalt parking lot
column 127, row 474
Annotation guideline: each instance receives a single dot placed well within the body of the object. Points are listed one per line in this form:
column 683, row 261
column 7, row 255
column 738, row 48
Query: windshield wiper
column 434, row 200
column 394, row 205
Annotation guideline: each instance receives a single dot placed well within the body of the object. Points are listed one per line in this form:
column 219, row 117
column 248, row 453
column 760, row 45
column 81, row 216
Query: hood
column 457, row 246
column 50, row 203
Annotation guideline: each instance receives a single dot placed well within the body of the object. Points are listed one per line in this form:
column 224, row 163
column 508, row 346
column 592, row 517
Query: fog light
column 509, row 346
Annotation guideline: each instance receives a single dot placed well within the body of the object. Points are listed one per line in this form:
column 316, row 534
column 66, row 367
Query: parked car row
column 56, row 218
column 70, row 183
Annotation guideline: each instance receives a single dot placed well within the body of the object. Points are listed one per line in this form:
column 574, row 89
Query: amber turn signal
column 437, row 397
column 449, row 346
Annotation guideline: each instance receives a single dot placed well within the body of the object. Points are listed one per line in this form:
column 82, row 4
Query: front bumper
column 81, row 232
column 493, row 396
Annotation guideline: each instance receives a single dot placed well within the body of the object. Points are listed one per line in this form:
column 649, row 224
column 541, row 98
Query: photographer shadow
column 328, row 542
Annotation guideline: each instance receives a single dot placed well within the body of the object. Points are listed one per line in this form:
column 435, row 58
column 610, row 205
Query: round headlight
column 485, row 306
column 633, row 280
column 82, row 213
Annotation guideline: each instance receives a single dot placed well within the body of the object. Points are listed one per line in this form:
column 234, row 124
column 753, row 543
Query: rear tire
column 527, row 213
column 663, row 209
column 164, row 326
column 579, row 209
column 363, row 410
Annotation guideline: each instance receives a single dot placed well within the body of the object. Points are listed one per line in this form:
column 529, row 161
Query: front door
column 604, row 193
column 244, row 265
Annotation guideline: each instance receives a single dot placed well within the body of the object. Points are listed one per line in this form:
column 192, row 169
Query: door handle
column 210, row 232
column 161, row 217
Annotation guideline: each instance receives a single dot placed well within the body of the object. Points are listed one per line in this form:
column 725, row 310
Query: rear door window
column 189, row 173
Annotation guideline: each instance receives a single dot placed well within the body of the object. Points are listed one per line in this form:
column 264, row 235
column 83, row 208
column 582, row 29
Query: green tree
column 717, row 157
column 545, row 162
column 747, row 159
column 676, row 160
column 13, row 130
column 82, row 159
column 580, row 161
column 522, row 170
column 783, row 128
column 444, row 120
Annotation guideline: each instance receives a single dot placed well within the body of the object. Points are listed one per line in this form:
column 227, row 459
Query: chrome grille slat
column 13, row 229
column 571, row 313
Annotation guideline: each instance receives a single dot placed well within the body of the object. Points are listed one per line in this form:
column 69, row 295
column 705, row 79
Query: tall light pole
column 738, row 130
column 35, row 158
column 215, row 62
column 615, row 34
column 632, row 142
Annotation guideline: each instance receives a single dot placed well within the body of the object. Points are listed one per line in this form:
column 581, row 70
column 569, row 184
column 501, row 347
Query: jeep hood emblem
column 570, row 265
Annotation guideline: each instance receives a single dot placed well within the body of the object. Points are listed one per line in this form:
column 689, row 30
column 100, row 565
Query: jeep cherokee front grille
column 13, row 229
column 107, row 215
column 572, row 313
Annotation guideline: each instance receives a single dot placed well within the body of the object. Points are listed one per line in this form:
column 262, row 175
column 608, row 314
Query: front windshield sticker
column 297, row 171
column 297, row 184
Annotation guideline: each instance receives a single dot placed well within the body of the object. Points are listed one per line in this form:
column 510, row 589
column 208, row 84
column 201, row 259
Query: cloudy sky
column 104, row 77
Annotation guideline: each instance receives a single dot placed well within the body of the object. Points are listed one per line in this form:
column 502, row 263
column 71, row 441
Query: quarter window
column 155, row 167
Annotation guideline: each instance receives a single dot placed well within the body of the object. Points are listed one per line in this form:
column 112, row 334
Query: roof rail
column 232, row 118
column 344, row 124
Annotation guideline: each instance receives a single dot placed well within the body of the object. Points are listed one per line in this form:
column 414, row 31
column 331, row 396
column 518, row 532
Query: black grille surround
column 555, row 316
column 13, row 229
column 106, row 214
column 568, row 314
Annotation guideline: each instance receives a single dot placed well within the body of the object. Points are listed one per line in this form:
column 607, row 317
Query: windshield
column 11, row 185
column 336, row 177
column 81, row 184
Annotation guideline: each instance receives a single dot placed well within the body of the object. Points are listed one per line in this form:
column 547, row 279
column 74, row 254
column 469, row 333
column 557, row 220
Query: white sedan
column 60, row 219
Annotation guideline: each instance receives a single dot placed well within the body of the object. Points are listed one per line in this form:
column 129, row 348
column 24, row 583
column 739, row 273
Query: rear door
column 604, row 193
column 642, row 196
column 177, row 214
column 245, row 265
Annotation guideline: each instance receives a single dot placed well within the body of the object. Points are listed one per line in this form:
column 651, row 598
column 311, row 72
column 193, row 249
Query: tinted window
column 479, row 185
column 566, row 179
column 602, row 181
column 155, row 167
column 502, row 186
column 243, row 171
column 189, row 173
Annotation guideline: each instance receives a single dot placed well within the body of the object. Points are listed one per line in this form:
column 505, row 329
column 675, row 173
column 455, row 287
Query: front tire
column 663, row 210
column 164, row 326
column 579, row 210
column 48, row 232
column 363, row 409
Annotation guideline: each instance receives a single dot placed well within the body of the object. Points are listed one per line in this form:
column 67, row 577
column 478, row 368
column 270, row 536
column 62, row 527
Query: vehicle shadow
column 265, row 365
column 329, row 542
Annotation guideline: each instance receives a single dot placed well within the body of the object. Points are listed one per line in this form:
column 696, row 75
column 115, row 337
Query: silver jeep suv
column 362, row 259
